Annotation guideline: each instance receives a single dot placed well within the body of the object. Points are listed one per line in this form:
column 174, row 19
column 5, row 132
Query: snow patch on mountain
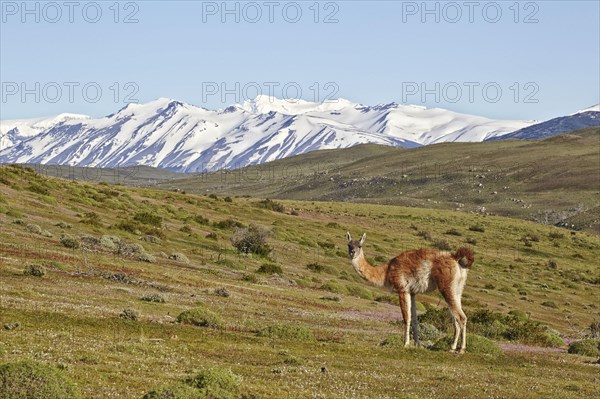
column 170, row 134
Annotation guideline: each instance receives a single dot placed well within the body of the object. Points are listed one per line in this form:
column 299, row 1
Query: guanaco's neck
column 375, row 275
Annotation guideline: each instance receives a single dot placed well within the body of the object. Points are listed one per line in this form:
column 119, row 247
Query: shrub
column 129, row 227
column 110, row 242
column 250, row 278
column 129, row 314
column 424, row 234
column 148, row 218
column 550, row 340
column 179, row 390
column 395, row 341
column 212, row 236
column 227, row 199
column 38, row 189
column 478, row 228
column 552, row 264
column 222, row 291
column 475, row 344
column 216, row 382
column 253, row 239
column 156, row 298
column 12, row 326
column 179, row 257
column 555, row 235
column 585, row 347
column 91, row 218
column 439, row 318
column 442, row 245
column 271, row 205
column 315, row 267
column 427, row 332
column 185, row 229
column 33, row 380
column 318, row 268
column 471, row 241
column 292, row 332
column 146, row 257
column 335, row 287
column 34, row 228
column 152, row 239
column 201, row 220
column 550, row 304
column 34, row 270
column 359, row 291
column 453, row 232
column 228, row 224
column 131, row 249
column 200, row 317
column 270, row 268
column 69, row 241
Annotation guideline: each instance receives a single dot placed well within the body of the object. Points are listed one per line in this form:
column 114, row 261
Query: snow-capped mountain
column 16, row 130
column 588, row 117
column 170, row 134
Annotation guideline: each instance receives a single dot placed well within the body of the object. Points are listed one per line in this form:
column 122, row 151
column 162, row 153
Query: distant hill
column 552, row 127
column 552, row 181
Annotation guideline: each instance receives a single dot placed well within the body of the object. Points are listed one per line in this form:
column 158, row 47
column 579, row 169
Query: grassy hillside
column 551, row 181
column 295, row 322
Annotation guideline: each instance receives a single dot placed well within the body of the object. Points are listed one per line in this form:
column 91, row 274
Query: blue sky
column 535, row 60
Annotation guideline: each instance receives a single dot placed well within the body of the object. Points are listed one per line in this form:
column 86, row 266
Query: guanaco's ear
column 348, row 237
column 362, row 239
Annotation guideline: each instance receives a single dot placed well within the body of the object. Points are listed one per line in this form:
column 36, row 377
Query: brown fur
column 418, row 271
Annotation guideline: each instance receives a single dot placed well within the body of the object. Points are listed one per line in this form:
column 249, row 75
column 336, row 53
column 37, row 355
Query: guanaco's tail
column 464, row 256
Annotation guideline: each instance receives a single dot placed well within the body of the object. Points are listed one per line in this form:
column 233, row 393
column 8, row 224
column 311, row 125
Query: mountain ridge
column 181, row 137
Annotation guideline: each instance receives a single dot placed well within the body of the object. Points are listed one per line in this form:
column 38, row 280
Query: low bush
column 200, row 317
column 228, row 224
column 271, row 205
column 148, row 218
column 453, row 232
column 110, row 242
column 216, row 383
column 28, row 379
column 152, row 239
column 585, row 347
column 201, row 220
column 179, row 390
column 475, row 344
column 477, row 228
column 292, row 332
column 212, row 236
column 156, row 298
column 394, row 341
column 428, row 333
column 253, row 239
column 34, row 228
column 146, row 257
column 550, row 304
column 335, row 287
column 179, row 257
column 69, row 241
column 129, row 314
column 359, row 291
column 222, row 291
column 442, row 245
column 91, row 218
column 34, row 270
column 270, row 268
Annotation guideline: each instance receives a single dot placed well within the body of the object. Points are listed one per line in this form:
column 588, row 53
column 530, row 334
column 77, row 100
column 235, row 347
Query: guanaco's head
column 355, row 246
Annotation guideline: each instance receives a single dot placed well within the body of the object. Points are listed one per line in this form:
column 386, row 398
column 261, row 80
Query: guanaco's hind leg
column 415, row 321
column 405, row 307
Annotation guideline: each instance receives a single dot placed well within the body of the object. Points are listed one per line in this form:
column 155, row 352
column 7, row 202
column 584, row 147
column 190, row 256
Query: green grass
column 70, row 317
